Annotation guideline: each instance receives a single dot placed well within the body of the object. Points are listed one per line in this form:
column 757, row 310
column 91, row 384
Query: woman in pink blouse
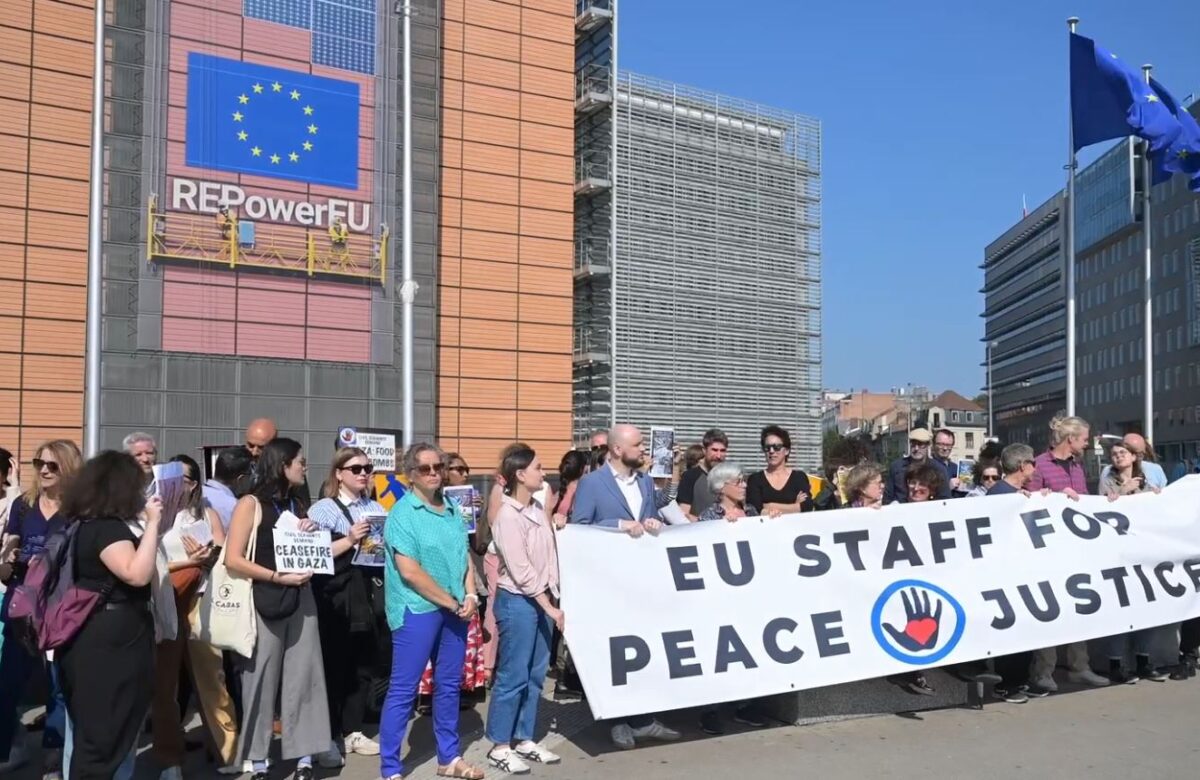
column 526, row 609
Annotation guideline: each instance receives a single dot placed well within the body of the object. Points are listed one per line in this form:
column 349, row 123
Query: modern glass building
column 716, row 320
column 1024, row 293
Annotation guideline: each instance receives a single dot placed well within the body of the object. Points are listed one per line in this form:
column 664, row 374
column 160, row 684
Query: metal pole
column 95, row 269
column 1069, row 237
column 1147, row 273
column 989, row 384
column 408, row 290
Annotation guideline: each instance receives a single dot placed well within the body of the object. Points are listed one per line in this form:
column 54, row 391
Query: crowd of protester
column 450, row 614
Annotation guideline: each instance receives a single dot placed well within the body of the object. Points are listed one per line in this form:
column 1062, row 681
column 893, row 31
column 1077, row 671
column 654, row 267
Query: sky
column 937, row 117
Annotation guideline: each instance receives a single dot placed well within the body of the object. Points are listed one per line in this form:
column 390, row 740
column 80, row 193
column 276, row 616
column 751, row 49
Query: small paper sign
column 468, row 501
column 297, row 552
column 371, row 550
column 662, row 451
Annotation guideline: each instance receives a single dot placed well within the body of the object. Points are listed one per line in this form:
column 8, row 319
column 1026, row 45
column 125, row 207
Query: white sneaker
column 534, row 752
column 656, row 731
column 171, row 773
column 1088, row 677
column 361, row 744
column 622, row 736
column 332, row 758
column 1047, row 682
column 506, row 760
column 17, row 757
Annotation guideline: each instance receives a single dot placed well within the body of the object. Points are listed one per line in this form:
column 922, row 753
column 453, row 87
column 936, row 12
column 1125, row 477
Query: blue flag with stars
column 271, row 122
column 1111, row 100
column 1183, row 155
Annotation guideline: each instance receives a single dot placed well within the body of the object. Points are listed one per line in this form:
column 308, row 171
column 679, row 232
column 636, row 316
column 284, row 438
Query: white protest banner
column 301, row 551
column 721, row 611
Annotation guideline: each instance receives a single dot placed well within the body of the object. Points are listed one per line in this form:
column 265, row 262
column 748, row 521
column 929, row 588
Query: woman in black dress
column 107, row 668
column 780, row 489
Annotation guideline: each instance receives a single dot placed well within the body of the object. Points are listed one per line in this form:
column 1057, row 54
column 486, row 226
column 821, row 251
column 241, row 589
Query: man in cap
column 895, row 489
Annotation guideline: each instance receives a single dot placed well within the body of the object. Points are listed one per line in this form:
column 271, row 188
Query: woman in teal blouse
column 430, row 596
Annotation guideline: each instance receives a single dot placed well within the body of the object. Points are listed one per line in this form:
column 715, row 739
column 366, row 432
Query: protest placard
column 303, row 551
column 662, row 451
column 733, row 611
column 468, row 499
column 371, row 550
column 168, row 486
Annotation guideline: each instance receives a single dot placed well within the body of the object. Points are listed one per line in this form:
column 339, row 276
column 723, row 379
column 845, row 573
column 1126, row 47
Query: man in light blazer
column 619, row 495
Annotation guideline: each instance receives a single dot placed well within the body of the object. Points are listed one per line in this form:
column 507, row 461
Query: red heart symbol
column 921, row 630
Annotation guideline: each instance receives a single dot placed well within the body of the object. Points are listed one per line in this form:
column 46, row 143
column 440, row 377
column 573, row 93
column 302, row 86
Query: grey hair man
column 1016, row 461
column 143, row 448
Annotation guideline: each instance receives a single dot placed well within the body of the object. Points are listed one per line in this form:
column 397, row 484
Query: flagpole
column 408, row 290
column 1069, row 238
column 95, row 276
column 1147, row 275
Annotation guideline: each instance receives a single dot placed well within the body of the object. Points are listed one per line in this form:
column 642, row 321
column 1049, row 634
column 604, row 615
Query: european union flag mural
column 271, row 122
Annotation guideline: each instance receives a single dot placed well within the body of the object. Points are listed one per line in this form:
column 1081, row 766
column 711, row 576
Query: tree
column 839, row 450
column 980, row 400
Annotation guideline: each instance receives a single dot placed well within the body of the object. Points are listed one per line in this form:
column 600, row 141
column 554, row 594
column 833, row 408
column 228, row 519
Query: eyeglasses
column 918, row 488
column 464, row 470
column 359, row 468
column 990, row 478
column 429, row 469
column 773, row 448
column 45, row 465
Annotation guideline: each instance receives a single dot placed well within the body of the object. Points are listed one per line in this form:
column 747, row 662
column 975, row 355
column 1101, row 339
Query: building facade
column 1111, row 315
column 716, row 267
column 251, row 254
column 1025, row 322
column 851, row 413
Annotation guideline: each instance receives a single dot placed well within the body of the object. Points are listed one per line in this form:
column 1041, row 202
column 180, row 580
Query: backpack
column 48, row 606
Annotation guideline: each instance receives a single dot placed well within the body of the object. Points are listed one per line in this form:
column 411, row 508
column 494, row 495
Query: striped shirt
column 1058, row 475
column 329, row 516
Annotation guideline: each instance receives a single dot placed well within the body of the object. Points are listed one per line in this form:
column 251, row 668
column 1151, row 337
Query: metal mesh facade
column 717, row 267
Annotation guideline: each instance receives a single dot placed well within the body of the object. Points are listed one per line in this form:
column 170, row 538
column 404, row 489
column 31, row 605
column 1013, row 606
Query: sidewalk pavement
column 1120, row 732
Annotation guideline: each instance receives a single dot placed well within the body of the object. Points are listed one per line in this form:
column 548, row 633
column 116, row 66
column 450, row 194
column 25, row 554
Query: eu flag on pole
column 1111, row 100
column 1183, row 154
column 271, row 122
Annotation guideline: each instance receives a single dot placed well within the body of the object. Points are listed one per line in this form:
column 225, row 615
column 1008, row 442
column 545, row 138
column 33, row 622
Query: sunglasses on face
column 429, row 469
column 359, row 468
column 990, row 478
column 464, row 470
column 773, row 448
column 918, row 489
column 45, row 465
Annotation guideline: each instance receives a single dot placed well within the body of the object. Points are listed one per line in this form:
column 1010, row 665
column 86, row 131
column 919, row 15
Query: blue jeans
column 16, row 669
column 441, row 637
column 525, row 635
column 124, row 772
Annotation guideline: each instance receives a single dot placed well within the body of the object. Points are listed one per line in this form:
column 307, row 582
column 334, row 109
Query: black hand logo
column 921, row 626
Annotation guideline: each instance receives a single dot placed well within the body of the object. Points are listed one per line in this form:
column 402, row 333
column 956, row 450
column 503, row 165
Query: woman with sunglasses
column 985, row 476
column 476, row 673
column 191, row 544
column 431, row 597
column 288, row 647
column 924, row 481
column 1125, row 478
column 344, row 602
column 779, row 489
column 31, row 519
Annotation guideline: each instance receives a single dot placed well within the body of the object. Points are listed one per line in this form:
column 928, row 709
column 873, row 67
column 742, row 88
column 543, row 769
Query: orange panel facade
column 45, row 67
column 506, row 227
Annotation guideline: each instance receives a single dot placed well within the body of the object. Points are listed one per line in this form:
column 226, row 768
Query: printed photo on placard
column 468, row 500
column 662, row 451
column 371, row 550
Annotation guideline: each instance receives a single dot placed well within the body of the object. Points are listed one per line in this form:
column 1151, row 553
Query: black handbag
column 274, row 601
